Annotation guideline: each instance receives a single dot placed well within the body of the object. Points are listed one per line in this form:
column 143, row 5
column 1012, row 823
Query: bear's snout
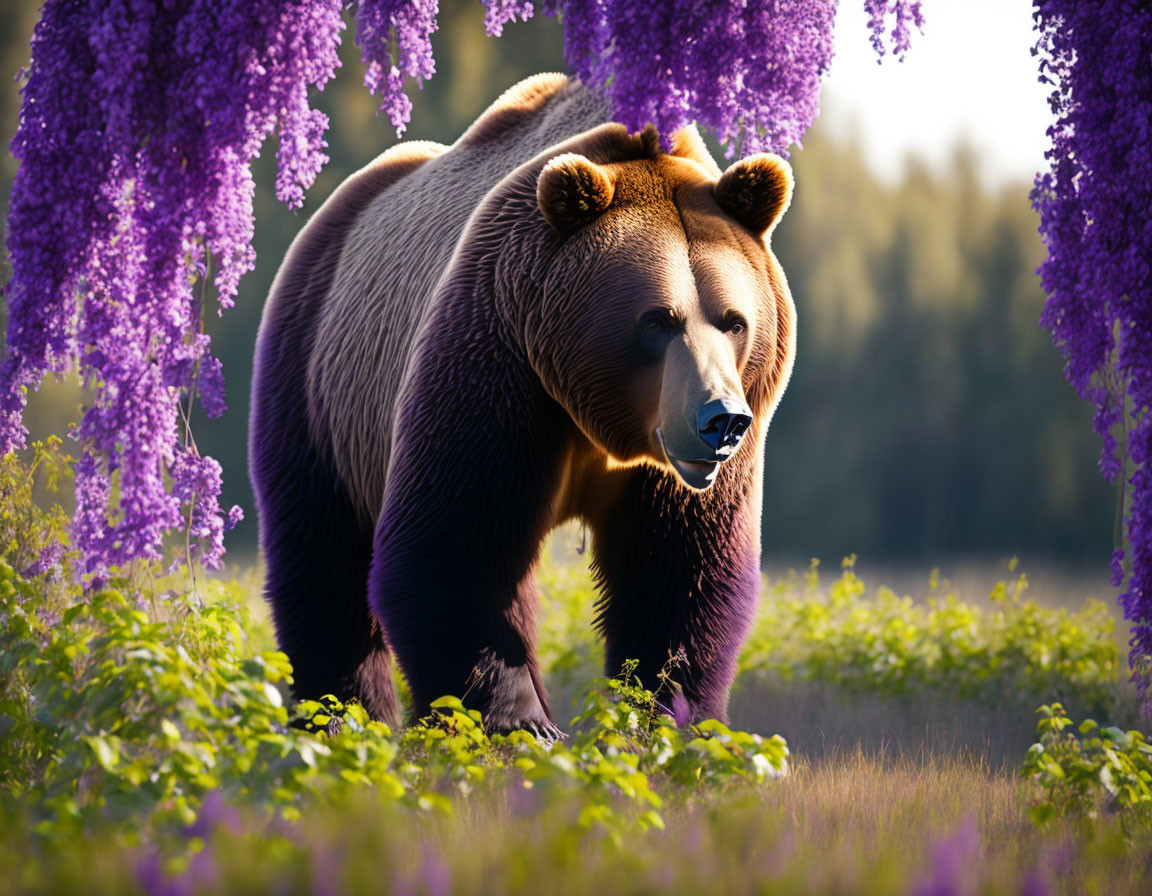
column 720, row 427
column 721, row 424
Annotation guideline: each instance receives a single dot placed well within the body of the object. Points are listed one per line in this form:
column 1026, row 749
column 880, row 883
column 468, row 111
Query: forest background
column 927, row 421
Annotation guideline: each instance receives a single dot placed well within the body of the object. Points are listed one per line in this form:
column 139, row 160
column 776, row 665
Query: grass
column 144, row 749
column 858, row 823
column 888, row 793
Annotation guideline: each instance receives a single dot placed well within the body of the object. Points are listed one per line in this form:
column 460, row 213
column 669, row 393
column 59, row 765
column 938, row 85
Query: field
column 144, row 748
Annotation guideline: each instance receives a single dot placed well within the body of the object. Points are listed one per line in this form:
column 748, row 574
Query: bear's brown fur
column 466, row 346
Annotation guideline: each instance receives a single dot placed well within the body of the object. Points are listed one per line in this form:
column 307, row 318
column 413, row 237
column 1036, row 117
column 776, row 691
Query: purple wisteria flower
column 410, row 24
column 138, row 127
column 749, row 70
column 1093, row 203
column 902, row 14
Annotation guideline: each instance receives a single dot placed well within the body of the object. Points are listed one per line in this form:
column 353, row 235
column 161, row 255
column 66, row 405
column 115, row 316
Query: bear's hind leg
column 317, row 554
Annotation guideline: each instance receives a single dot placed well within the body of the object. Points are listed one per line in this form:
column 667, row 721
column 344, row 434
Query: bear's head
column 664, row 325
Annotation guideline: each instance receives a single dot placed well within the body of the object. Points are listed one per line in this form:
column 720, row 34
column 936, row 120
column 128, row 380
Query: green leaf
column 1041, row 814
column 106, row 753
column 72, row 614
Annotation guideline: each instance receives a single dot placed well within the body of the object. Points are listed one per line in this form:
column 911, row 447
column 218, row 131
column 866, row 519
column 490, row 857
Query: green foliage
column 1008, row 651
column 1078, row 772
column 624, row 753
column 114, row 717
column 1011, row 650
column 119, row 713
column 145, row 743
column 27, row 533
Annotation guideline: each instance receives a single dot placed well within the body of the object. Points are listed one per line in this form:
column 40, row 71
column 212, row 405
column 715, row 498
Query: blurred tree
column 927, row 415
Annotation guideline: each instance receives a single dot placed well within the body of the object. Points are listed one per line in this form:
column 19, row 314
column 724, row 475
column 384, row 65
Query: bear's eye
column 735, row 324
column 657, row 323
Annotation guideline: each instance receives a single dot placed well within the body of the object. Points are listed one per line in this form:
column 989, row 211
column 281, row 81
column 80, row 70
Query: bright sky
column 969, row 75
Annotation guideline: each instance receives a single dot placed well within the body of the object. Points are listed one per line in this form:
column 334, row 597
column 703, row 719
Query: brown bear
column 468, row 345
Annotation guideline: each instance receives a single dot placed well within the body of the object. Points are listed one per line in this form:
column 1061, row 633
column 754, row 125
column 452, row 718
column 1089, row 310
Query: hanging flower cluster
column 138, row 127
column 749, row 71
column 139, row 124
column 409, row 24
column 902, row 14
column 1095, row 202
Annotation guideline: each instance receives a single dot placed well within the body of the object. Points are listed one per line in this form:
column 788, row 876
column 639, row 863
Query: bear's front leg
column 457, row 604
column 475, row 465
column 679, row 572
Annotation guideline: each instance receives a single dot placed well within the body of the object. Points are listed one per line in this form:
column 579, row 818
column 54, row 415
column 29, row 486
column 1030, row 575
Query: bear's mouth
column 696, row 474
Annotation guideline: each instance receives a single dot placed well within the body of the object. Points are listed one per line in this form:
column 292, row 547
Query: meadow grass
column 144, row 749
column 854, row 823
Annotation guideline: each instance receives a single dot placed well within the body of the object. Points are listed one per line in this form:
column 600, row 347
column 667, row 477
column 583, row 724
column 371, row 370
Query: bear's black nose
column 722, row 423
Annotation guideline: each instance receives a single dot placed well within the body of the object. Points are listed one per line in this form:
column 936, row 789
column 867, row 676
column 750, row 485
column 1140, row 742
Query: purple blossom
column 1035, row 883
column 328, row 862
column 954, row 859
column 501, row 12
column 46, row 561
column 410, row 24
column 750, row 70
column 138, row 127
column 201, row 875
column 903, row 15
column 196, row 483
column 1093, row 203
column 434, row 878
column 214, row 813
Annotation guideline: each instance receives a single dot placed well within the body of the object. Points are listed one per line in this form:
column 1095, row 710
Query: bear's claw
column 545, row 731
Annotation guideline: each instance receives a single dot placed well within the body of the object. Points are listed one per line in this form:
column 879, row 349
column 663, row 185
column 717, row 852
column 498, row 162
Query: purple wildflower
column 434, row 878
column 46, row 561
column 1093, row 204
column 214, row 813
column 523, row 801
column 200, row 876
column 1035, row 883
column 328, row 862
column 953, row 861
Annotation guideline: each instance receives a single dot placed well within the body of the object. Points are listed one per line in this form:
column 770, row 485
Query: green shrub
column 118, row 717
column 123, row 707
column 1079, row 773
column 1013, row 649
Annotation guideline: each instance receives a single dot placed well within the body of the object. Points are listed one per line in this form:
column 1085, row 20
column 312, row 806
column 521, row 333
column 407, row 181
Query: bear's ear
column 756, row 191
column 573, row 191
